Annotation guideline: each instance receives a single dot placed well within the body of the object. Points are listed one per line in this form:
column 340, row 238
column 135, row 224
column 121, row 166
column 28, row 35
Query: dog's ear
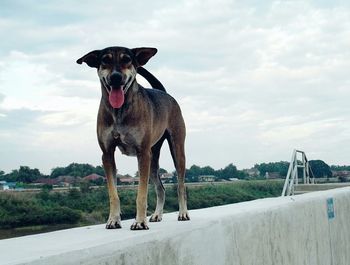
column 92, row 59
column 142, row 55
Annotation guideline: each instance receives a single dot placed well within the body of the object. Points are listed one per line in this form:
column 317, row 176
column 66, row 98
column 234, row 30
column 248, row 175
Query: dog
column 137, row 121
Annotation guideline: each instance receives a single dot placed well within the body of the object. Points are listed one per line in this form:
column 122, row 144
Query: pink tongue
column 116, row 98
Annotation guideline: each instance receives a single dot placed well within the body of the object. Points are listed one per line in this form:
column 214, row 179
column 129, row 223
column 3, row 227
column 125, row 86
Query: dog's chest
column 127, row 142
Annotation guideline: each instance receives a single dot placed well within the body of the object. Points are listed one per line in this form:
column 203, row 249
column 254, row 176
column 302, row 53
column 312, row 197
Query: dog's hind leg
column 176, row 140
column 155, row 178
column 114, row 203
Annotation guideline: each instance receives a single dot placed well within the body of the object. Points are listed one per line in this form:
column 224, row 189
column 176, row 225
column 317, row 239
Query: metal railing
column 292, row 177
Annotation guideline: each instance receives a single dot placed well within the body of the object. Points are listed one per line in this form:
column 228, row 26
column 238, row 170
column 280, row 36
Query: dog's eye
column 125, row 59
column 106, row 60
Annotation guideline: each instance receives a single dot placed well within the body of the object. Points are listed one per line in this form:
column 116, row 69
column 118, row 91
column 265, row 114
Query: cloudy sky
column 255, row 79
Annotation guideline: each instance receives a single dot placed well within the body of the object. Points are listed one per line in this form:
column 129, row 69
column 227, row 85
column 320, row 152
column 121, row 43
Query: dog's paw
column 156, row 217
column 139, row 226
column 113, row 223
column 183, row 216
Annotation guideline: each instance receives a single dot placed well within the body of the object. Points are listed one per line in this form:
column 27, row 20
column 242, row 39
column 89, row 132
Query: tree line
column 340, row 168
column 319, row 168
column 26, row 174
column 226, row 173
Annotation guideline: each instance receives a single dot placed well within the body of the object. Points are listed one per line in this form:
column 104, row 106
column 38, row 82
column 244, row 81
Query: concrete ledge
column 303, row 188
column 289, row 230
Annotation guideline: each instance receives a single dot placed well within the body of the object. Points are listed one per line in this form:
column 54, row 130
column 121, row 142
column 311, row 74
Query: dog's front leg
column 141, row 201
column 114, row 203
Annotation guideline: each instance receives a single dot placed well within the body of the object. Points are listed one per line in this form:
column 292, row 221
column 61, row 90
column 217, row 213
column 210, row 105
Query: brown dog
column 137, row 121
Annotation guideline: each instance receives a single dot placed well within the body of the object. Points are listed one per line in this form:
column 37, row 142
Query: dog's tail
column 151, row 79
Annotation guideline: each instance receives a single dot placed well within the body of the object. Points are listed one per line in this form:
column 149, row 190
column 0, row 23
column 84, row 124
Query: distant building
column 167, row 177
column 252, row 172
column 129, row 180
column 47, row 181
column 93, row 177
column 59, row 181
column 342, row 175
column 4, row 185
column 272, row 175
column 68, row 180
column 206, row 178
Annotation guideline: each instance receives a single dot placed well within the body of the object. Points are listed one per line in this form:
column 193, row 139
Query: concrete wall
column 303, row 188
column 290, row 230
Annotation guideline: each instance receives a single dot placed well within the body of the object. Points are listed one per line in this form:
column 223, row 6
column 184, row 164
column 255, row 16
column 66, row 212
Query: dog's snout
column 116, row 79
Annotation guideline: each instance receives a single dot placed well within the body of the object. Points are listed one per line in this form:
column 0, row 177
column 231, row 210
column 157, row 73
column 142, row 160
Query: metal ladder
column 292, row 175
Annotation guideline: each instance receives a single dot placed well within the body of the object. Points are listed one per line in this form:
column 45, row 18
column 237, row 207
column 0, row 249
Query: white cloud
column 254, row 80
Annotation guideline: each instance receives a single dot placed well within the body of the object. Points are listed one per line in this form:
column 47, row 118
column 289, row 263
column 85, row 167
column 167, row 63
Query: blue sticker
column 330, row 208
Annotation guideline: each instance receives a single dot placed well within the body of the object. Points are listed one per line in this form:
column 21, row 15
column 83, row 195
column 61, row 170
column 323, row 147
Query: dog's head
column 117, row 68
